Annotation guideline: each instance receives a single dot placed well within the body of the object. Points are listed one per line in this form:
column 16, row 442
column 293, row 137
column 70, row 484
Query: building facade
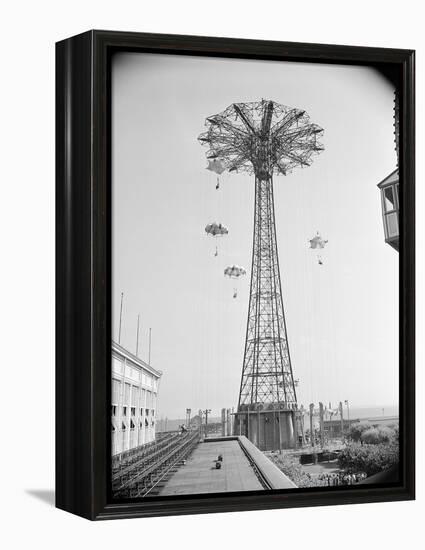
column 389, row 188
column 133, row 400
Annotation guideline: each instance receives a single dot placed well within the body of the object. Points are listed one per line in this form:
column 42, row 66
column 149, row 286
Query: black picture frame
column 83, row 281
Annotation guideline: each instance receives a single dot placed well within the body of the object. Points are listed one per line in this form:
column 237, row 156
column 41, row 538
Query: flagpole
column 137, row 339
column 150, row 342
column 119, row 331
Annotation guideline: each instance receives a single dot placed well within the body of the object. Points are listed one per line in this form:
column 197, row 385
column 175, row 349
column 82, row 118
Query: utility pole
column 206, row 412
column 232, row 425
column 330, row 422
column 342, row 418
column 188, row 412
column 321, row 424
column 200, row 414
column 311, row 407
column 302, row 413
column 119, row 330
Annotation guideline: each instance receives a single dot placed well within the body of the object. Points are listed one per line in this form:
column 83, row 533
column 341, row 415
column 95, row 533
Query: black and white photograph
column 213, row 224
column 254, row 276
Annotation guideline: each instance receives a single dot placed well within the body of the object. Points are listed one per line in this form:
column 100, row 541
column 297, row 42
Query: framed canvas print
column 235, row 275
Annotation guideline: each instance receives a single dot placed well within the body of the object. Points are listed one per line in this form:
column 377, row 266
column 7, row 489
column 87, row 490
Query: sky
column 342, row 317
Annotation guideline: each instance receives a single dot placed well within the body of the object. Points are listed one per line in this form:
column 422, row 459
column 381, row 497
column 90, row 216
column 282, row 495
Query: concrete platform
column 199, row 474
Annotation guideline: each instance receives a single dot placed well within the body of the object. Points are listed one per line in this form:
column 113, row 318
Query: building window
column 389, row 203
column 133, row 411
column 114, row 410
column 141, row 412
column 147, row 412
column 124, row 411
column 132, row 425
column 127, row 393
column 116, row 390
column 134, row 396
column 146, row 423
column 113, row 427
column 392, row 225
column 123, row 427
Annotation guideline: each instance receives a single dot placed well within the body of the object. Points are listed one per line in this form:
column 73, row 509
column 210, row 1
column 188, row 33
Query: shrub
column 378, row 434
column 291, row 467
column 364, row 432
column 386, row 434
column 396, row 432
column 356, row 430
column 369, row 459
column 370, row 436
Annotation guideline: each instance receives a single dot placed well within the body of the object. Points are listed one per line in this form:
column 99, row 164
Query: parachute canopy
column 317, row 241
column 216, row 166
column 234, row 271
column 216, row 229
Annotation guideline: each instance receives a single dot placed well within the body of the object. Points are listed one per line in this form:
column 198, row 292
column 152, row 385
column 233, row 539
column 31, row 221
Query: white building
column 134, row 397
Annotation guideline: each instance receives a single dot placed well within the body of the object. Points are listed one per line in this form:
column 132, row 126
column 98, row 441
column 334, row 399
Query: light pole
column 188, row 411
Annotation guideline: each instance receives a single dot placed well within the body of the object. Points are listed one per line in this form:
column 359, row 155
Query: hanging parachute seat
column 215, row 165
column 318, row 243
column 216, row 230
column 234, row 272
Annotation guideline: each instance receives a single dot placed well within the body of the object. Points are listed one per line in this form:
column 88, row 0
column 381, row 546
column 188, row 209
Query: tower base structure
column 269, row 430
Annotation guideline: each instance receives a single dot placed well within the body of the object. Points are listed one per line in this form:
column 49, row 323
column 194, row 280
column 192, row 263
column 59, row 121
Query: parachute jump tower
column 264, row 138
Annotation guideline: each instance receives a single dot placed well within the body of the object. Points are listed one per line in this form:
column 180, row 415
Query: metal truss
column 264, row 138
column 267, row 374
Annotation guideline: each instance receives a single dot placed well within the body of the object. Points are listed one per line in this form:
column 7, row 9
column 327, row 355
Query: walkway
column 199, row 474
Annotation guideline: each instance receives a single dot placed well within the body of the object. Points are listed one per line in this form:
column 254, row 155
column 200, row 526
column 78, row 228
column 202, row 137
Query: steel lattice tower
column 267, row 373
column 264, row 138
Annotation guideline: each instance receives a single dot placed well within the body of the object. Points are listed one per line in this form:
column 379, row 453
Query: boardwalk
column 199, row 474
